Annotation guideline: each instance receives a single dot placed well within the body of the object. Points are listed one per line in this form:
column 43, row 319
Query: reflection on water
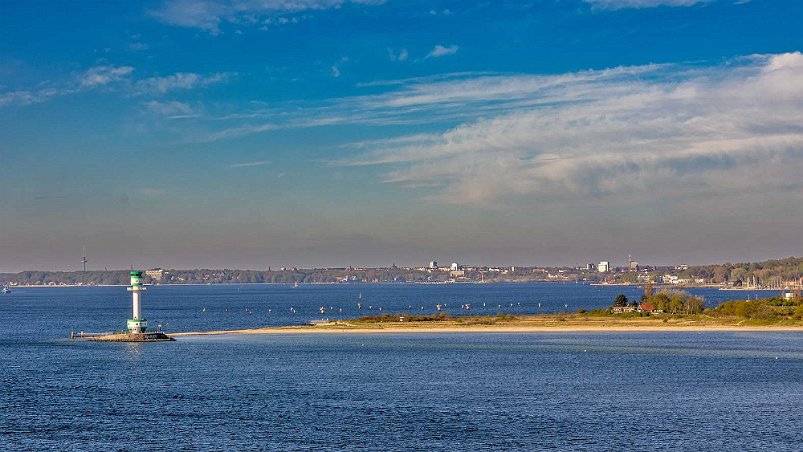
column 134, row 349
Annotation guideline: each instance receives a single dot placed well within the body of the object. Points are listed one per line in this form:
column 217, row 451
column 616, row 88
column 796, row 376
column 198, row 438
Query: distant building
column 433, row 265
column 634, row 266
column 604, row 267
column 647, row 307
column 156, row 273
column 455, row 267
column 591, row 267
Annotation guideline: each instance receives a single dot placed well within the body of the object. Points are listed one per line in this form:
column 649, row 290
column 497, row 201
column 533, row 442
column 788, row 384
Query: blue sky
column 248, row 133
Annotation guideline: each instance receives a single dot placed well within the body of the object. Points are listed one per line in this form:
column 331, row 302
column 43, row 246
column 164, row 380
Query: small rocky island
column 133, row 337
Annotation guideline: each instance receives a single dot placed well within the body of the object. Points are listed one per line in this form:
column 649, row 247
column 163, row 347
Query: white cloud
column 209, row 14
column 401, row 56
column 138, row 46
column 103, row 75
column 335, row 71
column 111, row 79
column 27, row 97
column 622, row 4
column 423, row 100
column 93, row 78
column 205, row 15
column 249, row 164
column 171, row 109
column 178, row 81
column 692, row 131
column 445, row 12
column 439, row 51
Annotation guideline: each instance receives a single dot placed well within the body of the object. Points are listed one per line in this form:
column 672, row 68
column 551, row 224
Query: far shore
column 656, row 286
column 532, row 324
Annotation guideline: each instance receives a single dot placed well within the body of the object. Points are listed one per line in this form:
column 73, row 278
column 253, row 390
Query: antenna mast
column 84, row 260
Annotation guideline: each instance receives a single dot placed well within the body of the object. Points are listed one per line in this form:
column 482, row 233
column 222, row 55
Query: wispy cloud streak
column 208, row 15
column 701, row 130
column 597, row 133
column 97, row 77
column 440, row 50
column 178, row 81
column 104, row 75
column 112, row 79
column 622, row 4
column 249, row 164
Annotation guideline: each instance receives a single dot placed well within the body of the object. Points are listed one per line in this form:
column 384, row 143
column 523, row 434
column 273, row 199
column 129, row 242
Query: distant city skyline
column 324, row 133
column 603, row 266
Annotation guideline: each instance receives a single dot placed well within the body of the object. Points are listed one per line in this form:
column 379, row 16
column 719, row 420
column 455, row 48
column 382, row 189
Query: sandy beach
column 530, row 325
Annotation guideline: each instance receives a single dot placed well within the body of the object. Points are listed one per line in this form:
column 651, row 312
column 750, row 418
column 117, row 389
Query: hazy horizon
column 613, row 263
column 324, row 133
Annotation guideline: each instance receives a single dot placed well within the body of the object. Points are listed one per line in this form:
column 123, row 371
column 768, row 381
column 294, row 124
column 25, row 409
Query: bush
column 763, row 309
column 676, row 302
column 798, row 315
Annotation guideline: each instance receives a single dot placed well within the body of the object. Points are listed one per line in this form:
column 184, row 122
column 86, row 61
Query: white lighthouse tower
column 136, row 324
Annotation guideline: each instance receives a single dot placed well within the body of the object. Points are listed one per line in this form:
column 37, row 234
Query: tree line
column 669, row 301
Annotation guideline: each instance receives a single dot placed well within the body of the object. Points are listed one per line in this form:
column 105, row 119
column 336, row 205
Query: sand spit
column 345, row 327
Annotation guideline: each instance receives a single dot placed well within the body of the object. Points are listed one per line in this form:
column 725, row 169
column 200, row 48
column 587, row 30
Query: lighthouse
column 136, row 324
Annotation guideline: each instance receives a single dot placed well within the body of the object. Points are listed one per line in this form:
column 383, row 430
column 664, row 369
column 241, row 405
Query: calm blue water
column 726, row 391
column 54, row 312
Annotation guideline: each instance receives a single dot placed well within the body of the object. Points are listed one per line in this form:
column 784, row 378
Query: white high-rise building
column 604, row 267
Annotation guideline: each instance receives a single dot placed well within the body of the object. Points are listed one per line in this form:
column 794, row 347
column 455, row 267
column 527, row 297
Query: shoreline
column 586, row 283
column 341, row 328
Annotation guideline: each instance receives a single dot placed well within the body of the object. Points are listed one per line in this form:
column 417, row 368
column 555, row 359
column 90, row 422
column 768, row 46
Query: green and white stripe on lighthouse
column 136, row 278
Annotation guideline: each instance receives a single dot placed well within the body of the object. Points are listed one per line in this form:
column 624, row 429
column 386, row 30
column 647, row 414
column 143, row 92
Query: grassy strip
column 598, row 318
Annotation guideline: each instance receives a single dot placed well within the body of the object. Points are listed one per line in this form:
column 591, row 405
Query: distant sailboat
column 295, row 286
column 6, row 289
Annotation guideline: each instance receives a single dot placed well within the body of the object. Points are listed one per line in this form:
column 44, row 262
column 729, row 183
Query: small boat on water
column 6, row 289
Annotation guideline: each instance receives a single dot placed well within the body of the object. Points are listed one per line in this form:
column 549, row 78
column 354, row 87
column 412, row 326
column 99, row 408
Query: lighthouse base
column 137, row 326
column 133, row 337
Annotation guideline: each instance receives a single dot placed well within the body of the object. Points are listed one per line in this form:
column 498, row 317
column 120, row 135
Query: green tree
column 620, row 300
